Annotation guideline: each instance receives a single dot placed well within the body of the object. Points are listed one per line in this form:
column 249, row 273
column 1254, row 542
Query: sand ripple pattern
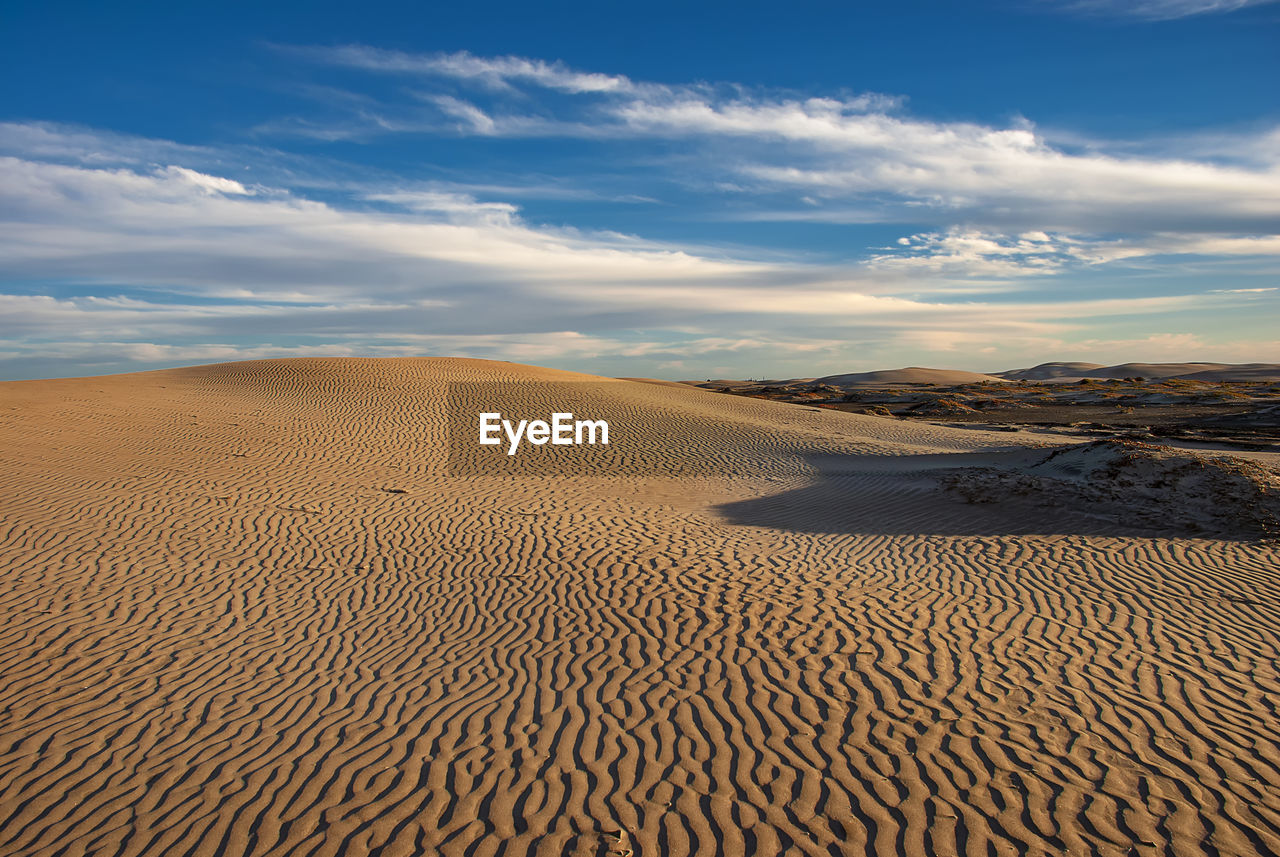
column 224, row 635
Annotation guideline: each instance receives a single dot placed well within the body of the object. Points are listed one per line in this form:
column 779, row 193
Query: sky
column 668, row 189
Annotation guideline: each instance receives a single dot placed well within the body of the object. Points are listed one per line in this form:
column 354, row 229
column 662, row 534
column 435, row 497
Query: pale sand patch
column 247, row 609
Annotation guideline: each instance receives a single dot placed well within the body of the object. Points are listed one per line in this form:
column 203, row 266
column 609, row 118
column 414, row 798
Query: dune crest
column 910, row 375
column 1184, row 371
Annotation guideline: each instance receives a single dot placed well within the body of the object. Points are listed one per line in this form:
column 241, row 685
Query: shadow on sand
column 902, row 495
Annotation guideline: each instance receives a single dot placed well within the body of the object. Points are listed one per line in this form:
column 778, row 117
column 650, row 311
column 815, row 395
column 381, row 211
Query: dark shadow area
column 905, row 495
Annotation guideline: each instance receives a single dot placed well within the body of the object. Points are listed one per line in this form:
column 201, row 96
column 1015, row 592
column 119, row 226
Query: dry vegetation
column 1241, row 414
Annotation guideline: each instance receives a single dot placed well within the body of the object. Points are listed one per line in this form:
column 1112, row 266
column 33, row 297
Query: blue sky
column 669, row 189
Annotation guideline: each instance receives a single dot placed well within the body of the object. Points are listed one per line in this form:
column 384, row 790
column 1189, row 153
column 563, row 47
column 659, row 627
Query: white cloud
column 828, row 153
column 1014, row 180
column 1244, row 291
column 175, row 228
column 461, row 205
column 207, row 183
column 1179, row 347
column 163, row 227
column 469, row 276
column 811, row 316
column 51, row 141
column 494, row 72
column 1156, row 10
column 475, row 119
column 971, row 253
column 217, row 267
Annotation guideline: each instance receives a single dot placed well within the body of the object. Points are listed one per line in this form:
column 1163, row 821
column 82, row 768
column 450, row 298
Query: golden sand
column 250, row 609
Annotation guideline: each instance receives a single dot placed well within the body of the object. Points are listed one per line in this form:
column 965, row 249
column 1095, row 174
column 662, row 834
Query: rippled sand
column 254, row 608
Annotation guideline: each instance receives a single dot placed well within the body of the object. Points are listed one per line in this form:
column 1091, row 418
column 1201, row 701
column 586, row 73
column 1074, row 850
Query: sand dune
column 1190, row 371
column 1046, row 371
column 910, row 375
column 1156, row 370
column 1237, row 372
column 1061, row 372
column 260, row 608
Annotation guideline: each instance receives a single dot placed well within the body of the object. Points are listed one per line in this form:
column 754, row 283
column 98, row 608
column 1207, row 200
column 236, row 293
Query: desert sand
column 258, row 608
column 1186, row 371
column 910, row 375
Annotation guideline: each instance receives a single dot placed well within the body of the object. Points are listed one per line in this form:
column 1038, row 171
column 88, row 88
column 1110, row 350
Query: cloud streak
column 1157, row 10
column 493, row 72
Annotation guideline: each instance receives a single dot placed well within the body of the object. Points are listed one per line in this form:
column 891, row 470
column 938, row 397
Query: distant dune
column 1192, row 371
column 1051, row 370
column 1238, row 372
column 1156, row 370
column 658, row 381
column 910, row 375
column 1063, row 372
column 261, row 609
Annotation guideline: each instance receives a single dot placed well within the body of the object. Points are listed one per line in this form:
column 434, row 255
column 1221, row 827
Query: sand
column 1213, row 372
column 1241, row 372
column 1046, row 371
column 254, row 608
column 911, row 375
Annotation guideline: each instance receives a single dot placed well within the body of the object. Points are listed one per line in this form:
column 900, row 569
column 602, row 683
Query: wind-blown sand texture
column 763, row 629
